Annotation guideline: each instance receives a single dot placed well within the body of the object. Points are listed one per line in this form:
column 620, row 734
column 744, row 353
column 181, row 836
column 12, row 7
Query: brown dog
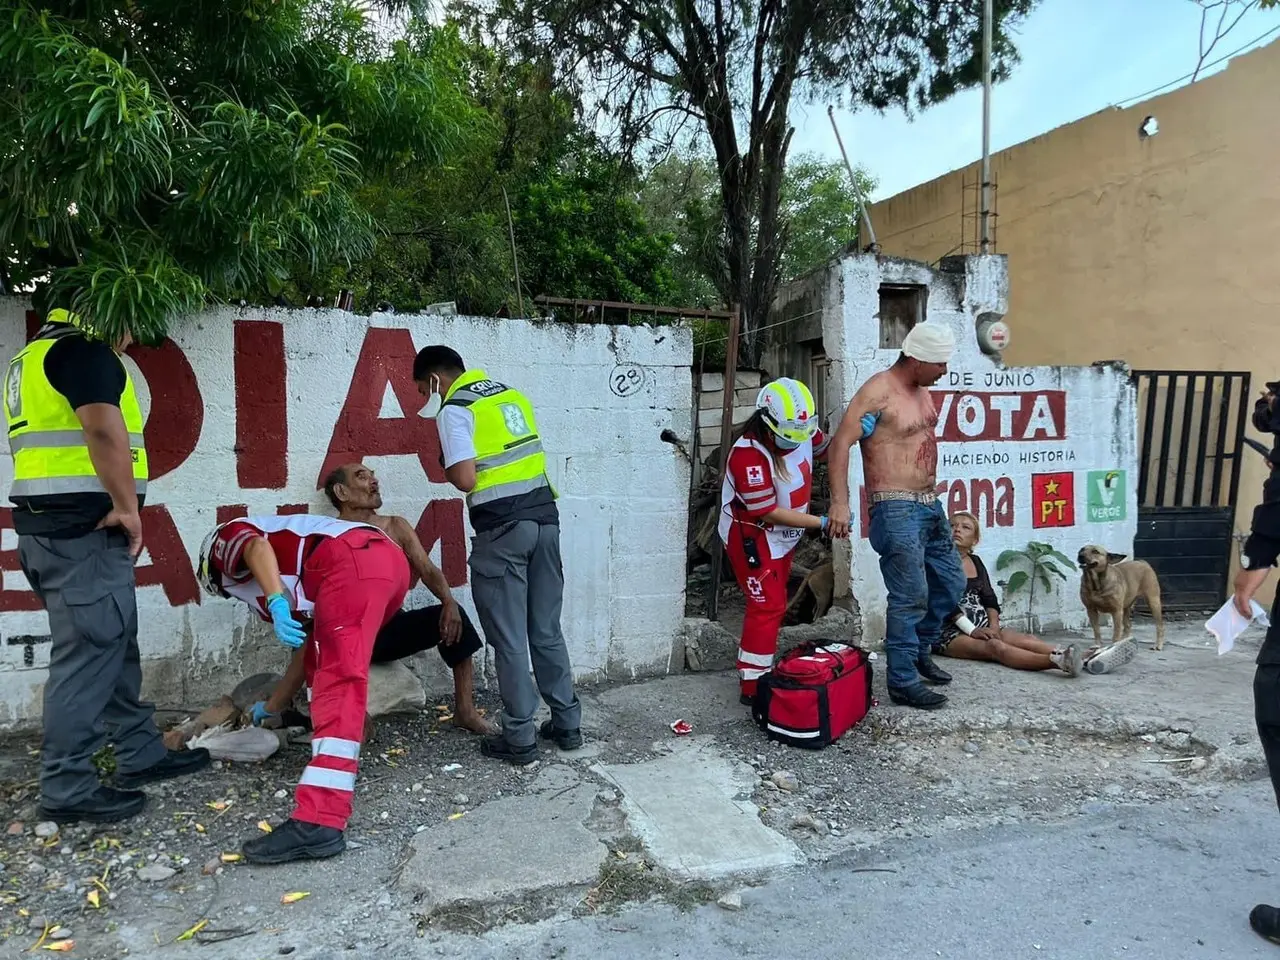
column 1108, row 585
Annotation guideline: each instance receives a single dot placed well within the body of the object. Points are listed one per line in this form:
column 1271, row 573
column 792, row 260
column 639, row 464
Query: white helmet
column 209, row 576
column 789, row 410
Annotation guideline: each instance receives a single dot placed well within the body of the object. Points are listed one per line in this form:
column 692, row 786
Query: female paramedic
column 764, row 513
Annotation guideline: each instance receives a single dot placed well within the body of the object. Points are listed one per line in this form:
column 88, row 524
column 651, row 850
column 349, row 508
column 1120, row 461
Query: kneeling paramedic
column 350, row 579
column 79, row 482
column 765, row 511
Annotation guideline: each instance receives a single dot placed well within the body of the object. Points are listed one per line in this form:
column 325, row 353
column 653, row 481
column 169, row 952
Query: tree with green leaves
column 156, row 155
column 578, row 227
column 733, row 67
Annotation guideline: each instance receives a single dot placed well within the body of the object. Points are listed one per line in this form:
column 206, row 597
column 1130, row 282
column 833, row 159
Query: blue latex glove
column 868, row 422
column 288, row 630
column 260, row 713
column 826, row 522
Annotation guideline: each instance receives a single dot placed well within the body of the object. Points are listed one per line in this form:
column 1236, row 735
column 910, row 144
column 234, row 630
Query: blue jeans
column 924, row 579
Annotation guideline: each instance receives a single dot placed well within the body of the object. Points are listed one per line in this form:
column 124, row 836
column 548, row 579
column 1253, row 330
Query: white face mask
column 434, row 400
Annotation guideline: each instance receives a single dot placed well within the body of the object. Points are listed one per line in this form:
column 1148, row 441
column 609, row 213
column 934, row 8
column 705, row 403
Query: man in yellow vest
column 79, row 481
column 491, row 451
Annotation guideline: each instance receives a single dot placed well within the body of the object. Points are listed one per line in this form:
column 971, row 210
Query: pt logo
column 1053, row 500
column 755, row 476
column 1107, row 500
column 755, row 589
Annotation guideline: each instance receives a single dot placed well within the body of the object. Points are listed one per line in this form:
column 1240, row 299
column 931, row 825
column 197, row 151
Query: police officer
column 79, row 481
column 1260, row 552
column 492, row 452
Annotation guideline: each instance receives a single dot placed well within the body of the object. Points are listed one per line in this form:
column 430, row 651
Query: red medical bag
column 813, row 694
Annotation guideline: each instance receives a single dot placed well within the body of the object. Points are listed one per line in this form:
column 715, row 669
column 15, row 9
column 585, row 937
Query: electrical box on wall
column 993, row 335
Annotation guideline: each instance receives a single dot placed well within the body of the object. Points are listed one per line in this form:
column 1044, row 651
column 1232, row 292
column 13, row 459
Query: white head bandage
column 930, row 343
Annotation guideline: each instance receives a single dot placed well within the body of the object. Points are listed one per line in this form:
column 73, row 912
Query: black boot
column 564, row 739
column 1265, row 921
column 497, row 748
column 176, row 763
column 931, row 672
column 104, row 805
column 919, row 696
column 295, row 840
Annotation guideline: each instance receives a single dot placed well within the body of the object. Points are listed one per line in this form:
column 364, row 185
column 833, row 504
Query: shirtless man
column 353, row 490
column 909, row 527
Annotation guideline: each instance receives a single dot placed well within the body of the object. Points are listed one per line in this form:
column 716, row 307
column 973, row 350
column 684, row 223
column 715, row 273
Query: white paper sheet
column 1228, row 623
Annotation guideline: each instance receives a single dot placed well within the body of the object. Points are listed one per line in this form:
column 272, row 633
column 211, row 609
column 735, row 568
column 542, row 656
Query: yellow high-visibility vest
column 509, row 457
column 50, row 456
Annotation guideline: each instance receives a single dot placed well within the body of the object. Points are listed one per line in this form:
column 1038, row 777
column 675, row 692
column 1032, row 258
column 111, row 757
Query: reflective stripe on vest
column 46, row 438
column 509, row 456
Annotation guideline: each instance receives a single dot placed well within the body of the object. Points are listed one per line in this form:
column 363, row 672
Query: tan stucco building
column 1160, row 250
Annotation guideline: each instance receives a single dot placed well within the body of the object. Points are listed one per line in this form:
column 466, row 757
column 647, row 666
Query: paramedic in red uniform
column 765, row 512
column 349, row 579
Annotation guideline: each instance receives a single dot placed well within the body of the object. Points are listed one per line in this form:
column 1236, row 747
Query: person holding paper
column 1262, row 548
column 1259, row 556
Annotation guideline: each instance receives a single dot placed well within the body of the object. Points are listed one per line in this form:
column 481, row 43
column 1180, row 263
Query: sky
column 1078, row 57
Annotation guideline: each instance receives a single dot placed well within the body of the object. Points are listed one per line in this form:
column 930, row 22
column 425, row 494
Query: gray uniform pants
column 95, row 673
column 518, row 585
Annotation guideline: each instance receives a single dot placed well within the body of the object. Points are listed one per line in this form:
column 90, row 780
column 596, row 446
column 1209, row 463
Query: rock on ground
column 394, row 688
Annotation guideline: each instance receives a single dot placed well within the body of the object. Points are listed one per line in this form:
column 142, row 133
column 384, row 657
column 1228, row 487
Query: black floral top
column 977, row 599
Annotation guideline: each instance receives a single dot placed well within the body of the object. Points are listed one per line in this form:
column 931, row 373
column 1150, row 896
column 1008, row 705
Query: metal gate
column 1190, row 431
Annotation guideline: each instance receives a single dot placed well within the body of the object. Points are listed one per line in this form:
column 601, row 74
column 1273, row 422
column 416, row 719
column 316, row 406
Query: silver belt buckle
column 911, row 496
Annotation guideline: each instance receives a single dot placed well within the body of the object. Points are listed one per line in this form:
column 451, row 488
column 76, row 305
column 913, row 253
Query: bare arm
column 107, row 438
column 869, row 399
column 289, row 684
column 108, row 442
column 463, row 476
column 261, row 561
column 432, row 577
column 792, row 518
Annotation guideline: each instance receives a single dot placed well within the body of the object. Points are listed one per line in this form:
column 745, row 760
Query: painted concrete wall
column 258, row 405
column 1024, row 448
column 1157, row 251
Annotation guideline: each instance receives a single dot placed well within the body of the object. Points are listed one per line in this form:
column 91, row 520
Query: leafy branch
column 1039, row 563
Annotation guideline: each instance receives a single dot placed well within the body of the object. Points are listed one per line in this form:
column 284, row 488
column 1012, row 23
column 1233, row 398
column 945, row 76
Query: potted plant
column 1037, row 563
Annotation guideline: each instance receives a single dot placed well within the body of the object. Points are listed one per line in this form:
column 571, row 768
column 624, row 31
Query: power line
column 1201, row 69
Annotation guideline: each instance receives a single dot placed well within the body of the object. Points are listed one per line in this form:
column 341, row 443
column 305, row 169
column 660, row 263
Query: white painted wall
column 1099, row 432
column 623, row 491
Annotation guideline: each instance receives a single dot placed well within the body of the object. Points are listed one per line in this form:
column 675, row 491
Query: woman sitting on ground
column 975, row 633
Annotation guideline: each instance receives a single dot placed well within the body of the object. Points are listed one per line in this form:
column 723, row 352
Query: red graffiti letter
column 386, row 357
column 441, row 522
column 21, row 598
column 170, row 567
column 230, row 512
column 262, row 406
column 177, row 409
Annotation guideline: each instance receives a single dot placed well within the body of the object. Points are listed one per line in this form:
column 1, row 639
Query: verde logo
column 1107, row 496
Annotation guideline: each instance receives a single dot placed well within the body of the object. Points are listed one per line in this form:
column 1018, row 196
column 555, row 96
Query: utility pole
column 985, row 217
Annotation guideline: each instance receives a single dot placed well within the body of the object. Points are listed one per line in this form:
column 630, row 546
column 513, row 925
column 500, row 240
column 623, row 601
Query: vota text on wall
column 261, row 449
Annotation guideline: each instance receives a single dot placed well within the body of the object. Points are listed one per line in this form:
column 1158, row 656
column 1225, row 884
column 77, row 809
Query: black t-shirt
column 1270, row 652
column 1268, row 421
column 84, row 371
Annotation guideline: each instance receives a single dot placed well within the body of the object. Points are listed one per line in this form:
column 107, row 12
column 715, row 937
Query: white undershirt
column 457, row 428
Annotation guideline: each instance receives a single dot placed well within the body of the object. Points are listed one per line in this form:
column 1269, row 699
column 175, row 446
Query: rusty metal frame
column 733, row 320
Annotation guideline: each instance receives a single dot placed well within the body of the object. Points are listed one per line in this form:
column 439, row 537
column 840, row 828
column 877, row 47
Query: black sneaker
column 1265, row 921
column 919, row 696
column 104, row 805
column 497, row 748
column 931, row 672
column 295, row 840
column 176, row 763
column 746, row 701
column 564, row 739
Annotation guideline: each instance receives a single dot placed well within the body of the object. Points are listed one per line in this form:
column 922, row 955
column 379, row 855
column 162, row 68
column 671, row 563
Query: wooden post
column 726, row 441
